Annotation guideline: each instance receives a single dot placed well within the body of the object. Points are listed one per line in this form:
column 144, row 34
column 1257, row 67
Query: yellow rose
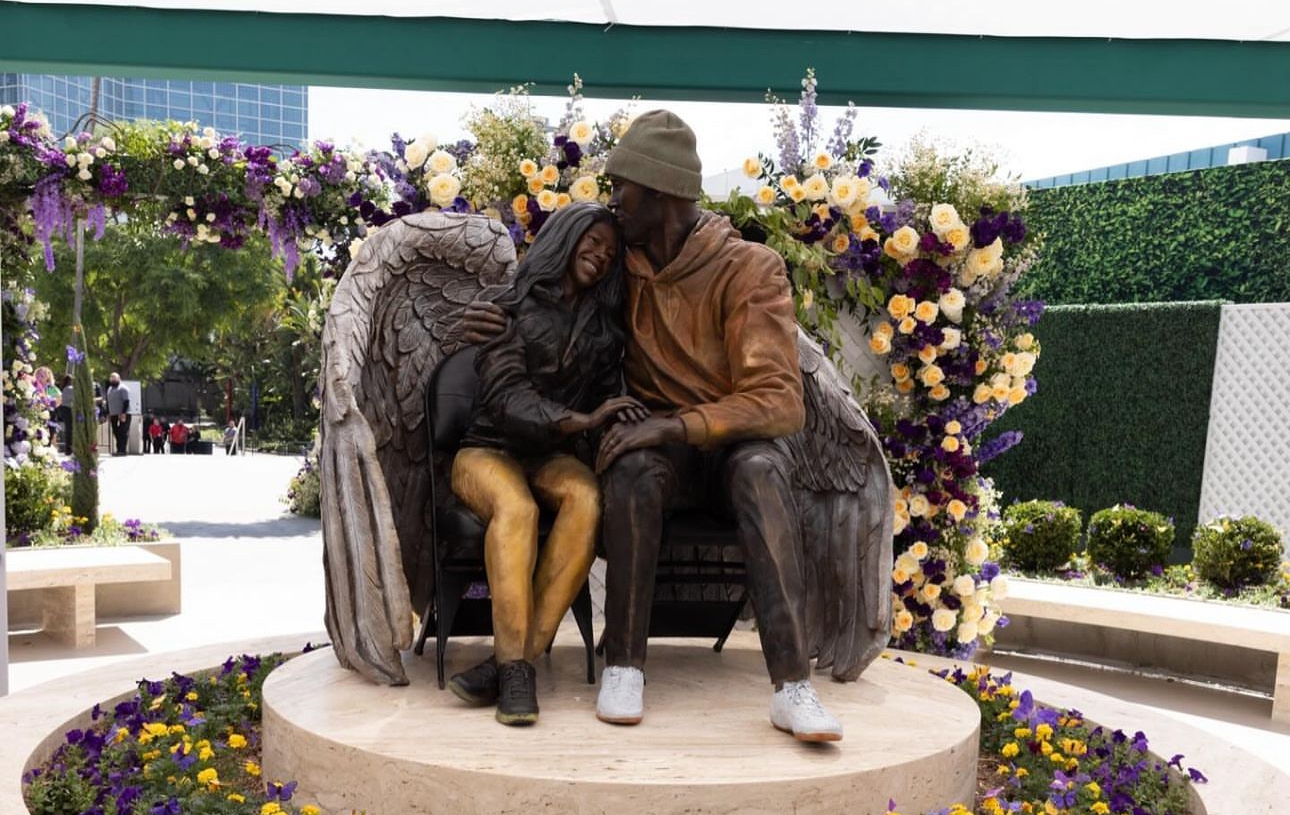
column 902, row 621
column 931, row 375
column 982, row 394
column 822, row 161
column 562, row 200
column 977, row 551
column 983, row 263
column 585, row 188
column 958, row 237
column 979, row 367
column 950, row 444
column 900, row 305
column 900, row 372
column 550, row 174
column 535, row 185
column 816, row 187
column 898, row 525
column 957, row 509
column 1023, row 364
column 879, row 344
column 752, row 167
column 1016, row 396
column 841, row 242
column 788, row 182
column 899, row 575
column 1025, row 342
column 520, row 203
column 905, row 385
column 582, row 133
column 927, row 354
column 926, row 311
column 919, row 550
column 797, row 194
column 939, row 392
column 441, row 162
column 443, row 189
column 907, row 325
column 765, row 196
column 930, row 592
column 528, row 168
column 953, row 428
column 1007, row 361
column 905, row 240
column 843, row 193
column 547, row 200
column 867, row 233
column 821, row 211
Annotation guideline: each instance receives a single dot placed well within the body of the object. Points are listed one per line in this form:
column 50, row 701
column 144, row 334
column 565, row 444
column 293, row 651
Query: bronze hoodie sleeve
column 760, row 330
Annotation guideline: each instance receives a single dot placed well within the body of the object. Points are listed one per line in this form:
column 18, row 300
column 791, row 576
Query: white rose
column 988, row 622
column 415, row 154
column 84, row 175
column 427, row 141
column 99, row 152
column 943, row 619
column 213, row 153
column 844, row 192
column 816, row 187
column 977, row 552
column 1023, row 364
column 999, row 587
column 188, row 201
column 944, row 218
column 919, row 505
column 442, row 162
column 585, row 188
column 7, row 110
column 967, row 633
column 69, row 143
column 4, row 136
column 192, row 161
column 952, row 338
column 972, row 612
column 907, row 562
column 203, row 169
column 964, row 585
column 443, row 189
column 581, row 133
column 70, row 159
column 179, row 164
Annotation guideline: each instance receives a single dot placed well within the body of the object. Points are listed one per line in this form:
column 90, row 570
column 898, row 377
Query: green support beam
column 1195, row 77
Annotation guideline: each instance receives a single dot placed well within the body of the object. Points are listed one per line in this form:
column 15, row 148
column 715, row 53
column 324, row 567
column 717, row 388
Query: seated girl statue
column 554, row 376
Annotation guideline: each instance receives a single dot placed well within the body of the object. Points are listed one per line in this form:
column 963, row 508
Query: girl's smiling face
column 593, row 255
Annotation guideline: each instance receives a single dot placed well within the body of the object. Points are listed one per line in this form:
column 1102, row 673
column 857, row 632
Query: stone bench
column 67, row 577
column 1257, row 629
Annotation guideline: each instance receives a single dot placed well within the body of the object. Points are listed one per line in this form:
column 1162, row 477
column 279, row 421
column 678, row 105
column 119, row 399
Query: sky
column 1030, row 145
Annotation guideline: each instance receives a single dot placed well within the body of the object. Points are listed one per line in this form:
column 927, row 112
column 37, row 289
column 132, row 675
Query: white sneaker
column 796, row 709
column 621, row 699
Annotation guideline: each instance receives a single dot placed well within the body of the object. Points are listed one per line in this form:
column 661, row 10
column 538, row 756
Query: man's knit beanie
column 658, row 152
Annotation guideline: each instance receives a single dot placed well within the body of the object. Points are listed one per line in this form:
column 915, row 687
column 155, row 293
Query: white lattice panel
column 1247, row 453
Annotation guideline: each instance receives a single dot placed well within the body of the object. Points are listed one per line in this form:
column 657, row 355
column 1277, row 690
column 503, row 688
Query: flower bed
column 183, row 746
column 1038, row 759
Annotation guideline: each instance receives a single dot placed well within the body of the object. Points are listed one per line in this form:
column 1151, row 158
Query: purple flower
column 74, row 356
column 1197, row 776
column 277, row 791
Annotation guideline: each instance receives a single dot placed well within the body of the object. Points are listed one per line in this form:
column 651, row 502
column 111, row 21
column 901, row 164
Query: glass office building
column 275, row 115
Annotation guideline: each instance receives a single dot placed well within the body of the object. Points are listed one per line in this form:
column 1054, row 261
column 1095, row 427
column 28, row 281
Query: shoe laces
column 802, row 695
column 517, row 683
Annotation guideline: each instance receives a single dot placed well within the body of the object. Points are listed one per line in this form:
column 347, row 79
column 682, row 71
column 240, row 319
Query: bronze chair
column 457, row 534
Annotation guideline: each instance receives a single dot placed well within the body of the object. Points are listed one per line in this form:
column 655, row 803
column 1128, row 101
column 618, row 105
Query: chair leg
column 582, row 615
column 448, row 601
column 734, row 618
column 426, row 617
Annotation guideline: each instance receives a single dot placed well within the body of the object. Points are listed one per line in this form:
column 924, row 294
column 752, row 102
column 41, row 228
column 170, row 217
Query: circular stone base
column 706, row 745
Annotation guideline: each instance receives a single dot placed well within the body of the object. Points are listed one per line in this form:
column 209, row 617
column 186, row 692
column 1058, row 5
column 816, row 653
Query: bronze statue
column 734, row 389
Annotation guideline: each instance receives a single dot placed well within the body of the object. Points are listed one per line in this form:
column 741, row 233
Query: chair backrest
column 450, row 400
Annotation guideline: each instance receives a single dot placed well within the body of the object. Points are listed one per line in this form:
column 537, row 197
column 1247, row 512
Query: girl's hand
column 621, row 408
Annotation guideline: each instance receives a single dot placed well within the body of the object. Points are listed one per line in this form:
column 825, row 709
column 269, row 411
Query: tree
column 85, row 488
column 151, row 299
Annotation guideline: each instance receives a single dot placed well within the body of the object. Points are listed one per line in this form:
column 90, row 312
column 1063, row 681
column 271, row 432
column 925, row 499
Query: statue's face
column 638, row 209
column 593, row 255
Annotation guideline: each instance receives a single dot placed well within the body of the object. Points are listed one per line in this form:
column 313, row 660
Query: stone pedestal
column 706, row 745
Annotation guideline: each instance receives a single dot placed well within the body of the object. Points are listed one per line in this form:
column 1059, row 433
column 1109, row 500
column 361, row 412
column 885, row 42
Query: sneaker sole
column 517, row 719
column 810, row 737
column 628, row 720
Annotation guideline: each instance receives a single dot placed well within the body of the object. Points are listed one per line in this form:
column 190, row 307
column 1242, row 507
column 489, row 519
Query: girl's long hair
column 542, row 271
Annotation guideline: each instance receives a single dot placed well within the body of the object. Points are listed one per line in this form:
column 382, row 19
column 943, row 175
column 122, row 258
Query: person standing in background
column 118, row 407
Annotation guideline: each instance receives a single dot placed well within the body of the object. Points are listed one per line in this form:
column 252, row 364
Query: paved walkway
column 250, row 569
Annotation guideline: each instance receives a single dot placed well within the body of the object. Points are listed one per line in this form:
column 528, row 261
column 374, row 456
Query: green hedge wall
column 1216, row 234
column 1121, row 413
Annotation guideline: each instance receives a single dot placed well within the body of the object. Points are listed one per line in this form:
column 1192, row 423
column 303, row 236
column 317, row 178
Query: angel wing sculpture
column 394, row 316
column 392, row 319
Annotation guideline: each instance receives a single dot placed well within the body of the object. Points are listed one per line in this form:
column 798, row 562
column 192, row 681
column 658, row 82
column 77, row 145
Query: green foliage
column 304, row 492
column 1040, row 535
column 1231, row 553
column 85, row 484
column 1220, row 233
column 31, row 494
column 931, row 173
column 1122, row 411
column 150, row 298
column 1129, row 541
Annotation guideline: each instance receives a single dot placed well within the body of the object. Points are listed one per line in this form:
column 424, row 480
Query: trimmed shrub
column 1231, row 553
column 1041, row 535
column 1130, row 542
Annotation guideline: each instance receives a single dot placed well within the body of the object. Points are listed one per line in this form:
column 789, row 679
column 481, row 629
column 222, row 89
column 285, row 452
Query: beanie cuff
column 658, row 175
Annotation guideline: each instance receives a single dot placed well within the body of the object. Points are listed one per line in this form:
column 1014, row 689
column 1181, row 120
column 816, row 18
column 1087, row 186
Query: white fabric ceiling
column 1189, row 19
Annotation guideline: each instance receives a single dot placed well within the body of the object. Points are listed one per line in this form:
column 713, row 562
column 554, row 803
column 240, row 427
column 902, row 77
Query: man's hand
column 482, row 321
column 623, row 438
column 621, row 408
